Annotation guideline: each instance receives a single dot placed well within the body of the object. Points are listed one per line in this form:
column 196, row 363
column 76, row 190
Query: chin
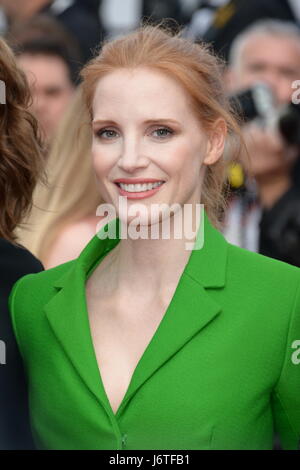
column 139, row 217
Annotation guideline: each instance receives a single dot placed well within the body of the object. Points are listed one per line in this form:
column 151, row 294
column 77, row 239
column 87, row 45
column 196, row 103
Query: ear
column 216, row 142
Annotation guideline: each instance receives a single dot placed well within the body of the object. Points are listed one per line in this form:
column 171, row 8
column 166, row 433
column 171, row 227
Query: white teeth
column 136, row 188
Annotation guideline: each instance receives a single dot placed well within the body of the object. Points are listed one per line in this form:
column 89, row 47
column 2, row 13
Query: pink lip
column 141, row 194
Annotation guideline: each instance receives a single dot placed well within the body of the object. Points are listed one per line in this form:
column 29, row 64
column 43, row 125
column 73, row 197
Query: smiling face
column 270, row 59
column 145, row 133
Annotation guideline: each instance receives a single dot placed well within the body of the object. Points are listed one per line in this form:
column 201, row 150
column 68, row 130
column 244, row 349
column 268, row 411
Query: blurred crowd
column 259, row 42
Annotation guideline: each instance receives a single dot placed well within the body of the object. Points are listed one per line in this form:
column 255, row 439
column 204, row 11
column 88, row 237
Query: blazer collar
column 191, row 309
column 206, row 265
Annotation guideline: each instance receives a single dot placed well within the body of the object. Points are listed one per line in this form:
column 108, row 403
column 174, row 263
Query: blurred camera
column 258, row 102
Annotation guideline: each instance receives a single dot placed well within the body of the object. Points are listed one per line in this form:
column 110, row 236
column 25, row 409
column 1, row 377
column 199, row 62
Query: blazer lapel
column 70, row 326
column 67, row 315
column 189, row 311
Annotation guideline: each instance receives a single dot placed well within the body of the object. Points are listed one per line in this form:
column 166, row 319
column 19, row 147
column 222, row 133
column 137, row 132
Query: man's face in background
column 274, row 60
column 51, row 89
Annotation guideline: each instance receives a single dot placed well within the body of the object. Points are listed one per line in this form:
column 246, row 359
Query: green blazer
column 222, row 370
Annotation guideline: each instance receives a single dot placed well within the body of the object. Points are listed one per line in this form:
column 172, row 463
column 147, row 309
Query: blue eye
column 110, row 134
column 163, row 132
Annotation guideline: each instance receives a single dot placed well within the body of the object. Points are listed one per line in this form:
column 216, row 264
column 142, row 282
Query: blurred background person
column 220, row 21
column 62, row 222
column 78, row 17
column 118, row 17
column 50, row 59
column 267, row 52
column 202, row 16
column 121, row 16
column 21, row 166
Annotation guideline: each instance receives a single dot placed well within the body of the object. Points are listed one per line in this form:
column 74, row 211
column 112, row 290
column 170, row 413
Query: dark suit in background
column 82, row 20
column 234, row 17
column 15, row 432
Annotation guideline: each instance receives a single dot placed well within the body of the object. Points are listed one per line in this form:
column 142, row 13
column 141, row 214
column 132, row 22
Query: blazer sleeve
column 12, row 310
column 285, row 398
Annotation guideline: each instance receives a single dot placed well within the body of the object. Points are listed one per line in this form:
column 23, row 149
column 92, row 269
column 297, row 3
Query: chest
column 121, row 331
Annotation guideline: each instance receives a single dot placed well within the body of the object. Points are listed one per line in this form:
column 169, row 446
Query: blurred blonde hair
column 71, row 192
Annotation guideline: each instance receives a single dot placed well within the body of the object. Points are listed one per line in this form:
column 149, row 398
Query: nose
column 132, row 157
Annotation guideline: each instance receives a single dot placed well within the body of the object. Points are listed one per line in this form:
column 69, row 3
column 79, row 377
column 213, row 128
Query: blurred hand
column 268, row 152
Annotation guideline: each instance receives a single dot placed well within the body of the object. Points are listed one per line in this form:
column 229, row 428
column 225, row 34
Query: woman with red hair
column 161, row 334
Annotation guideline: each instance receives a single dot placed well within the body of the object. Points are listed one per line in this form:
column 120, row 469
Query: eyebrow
column 148, row 121
column 282, row 68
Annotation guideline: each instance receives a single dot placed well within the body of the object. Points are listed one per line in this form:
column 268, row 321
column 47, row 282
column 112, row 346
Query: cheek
column 58, row 106
column 182, row 158
column 98, row 164
column 64, row 99
column 186, row 165
column 191, row 156
column 246, row 79
column 285, row 90
column 102, row 159
column 59, row 103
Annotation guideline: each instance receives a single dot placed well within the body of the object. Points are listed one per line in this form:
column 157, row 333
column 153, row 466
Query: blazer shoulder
column 31, row 292
column 46, row 277
column 34, row 286
column 268, row 269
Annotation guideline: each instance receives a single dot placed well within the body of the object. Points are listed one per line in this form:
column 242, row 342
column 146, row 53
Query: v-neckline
column 174, row 319
column 189, row 311
column 88, row 275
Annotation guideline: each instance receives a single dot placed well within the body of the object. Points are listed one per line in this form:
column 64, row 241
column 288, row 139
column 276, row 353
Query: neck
column 152, row 267
column 271, row 188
